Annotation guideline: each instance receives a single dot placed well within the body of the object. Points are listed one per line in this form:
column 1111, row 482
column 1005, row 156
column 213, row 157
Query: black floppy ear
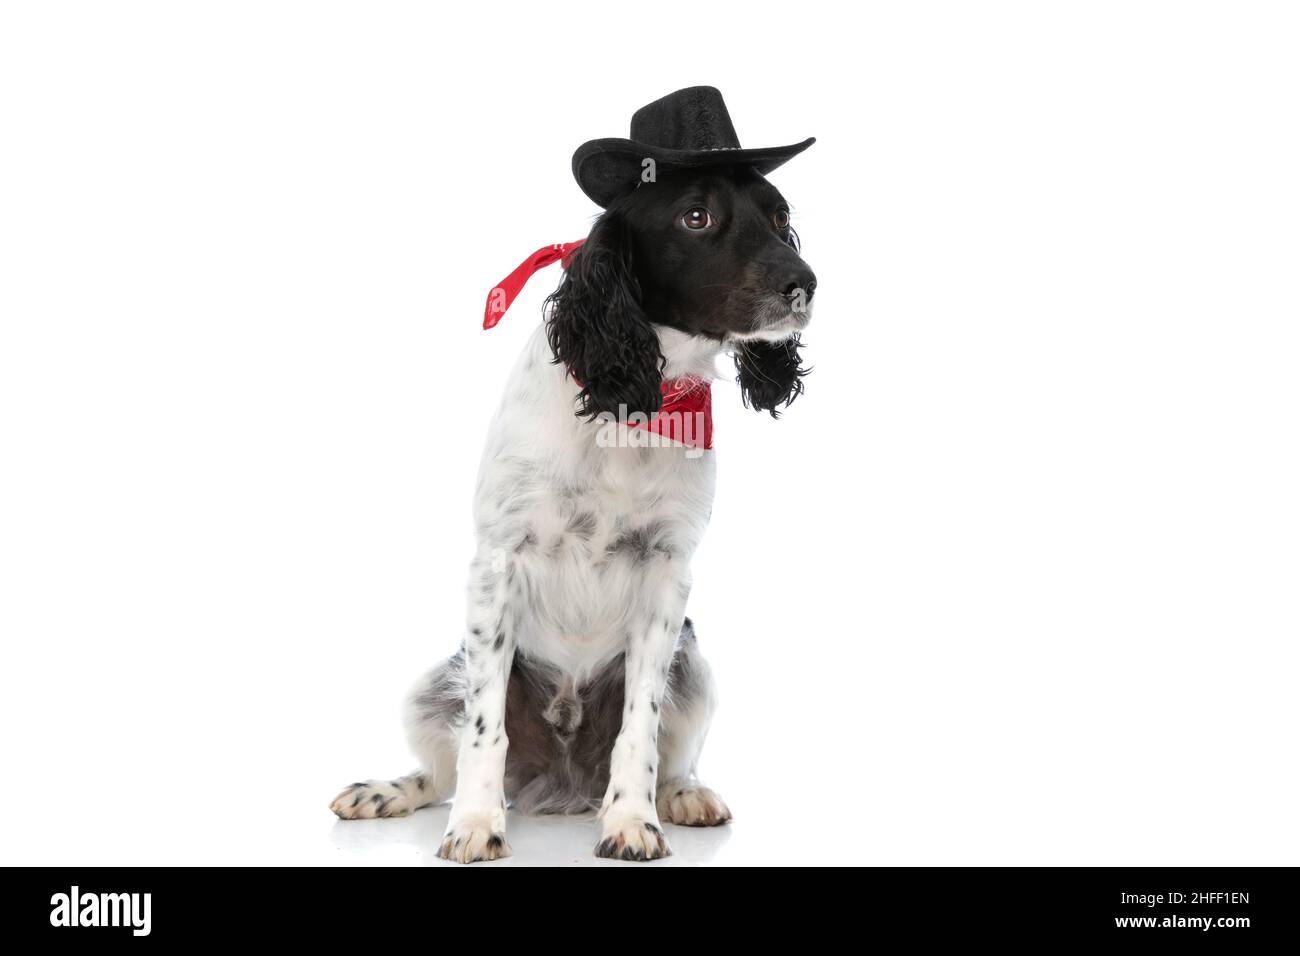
column 770, row 374
column 596, row 327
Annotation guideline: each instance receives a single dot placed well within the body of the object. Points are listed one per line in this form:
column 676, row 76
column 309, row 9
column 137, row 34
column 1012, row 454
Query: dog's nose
column 798, row 277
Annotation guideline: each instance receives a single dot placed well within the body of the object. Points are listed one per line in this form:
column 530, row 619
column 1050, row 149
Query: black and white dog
column 580, row 683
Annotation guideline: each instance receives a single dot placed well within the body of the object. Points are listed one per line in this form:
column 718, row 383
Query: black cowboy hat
column 688, row 129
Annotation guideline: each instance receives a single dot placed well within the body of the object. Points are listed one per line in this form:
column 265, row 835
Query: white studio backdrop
column 1013, row 583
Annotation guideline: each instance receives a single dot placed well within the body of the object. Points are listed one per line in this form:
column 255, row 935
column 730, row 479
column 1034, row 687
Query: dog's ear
column 770, row 374
column 596, row 327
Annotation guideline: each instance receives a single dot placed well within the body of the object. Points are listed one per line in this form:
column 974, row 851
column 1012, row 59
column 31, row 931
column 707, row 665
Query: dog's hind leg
column 384, row 798
column 684, row 723
column 435, row 710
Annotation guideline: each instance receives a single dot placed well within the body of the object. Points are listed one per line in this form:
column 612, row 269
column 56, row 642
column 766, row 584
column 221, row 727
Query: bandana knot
column 686, row 416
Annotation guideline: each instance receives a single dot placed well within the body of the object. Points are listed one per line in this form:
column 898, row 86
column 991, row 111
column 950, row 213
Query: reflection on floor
column 536, row 841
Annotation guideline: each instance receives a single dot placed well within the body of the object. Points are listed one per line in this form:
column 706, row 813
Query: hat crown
column 693, row 118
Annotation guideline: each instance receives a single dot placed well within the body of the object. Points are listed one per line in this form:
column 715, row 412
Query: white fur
column 583, row 555
column 549, row 579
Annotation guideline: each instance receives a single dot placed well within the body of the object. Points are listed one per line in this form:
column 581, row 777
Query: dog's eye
column 697, row 218
column 782, row 218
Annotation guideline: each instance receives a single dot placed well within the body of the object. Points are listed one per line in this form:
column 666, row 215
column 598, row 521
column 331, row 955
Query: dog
column 580, row 684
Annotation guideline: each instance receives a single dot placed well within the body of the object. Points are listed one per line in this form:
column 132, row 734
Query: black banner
column 1222, row 907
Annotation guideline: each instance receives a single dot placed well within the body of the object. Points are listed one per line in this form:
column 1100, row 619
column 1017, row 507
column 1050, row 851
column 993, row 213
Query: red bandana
column 687, row 413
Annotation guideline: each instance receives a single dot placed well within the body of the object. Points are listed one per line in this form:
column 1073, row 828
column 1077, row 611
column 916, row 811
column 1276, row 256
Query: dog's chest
column 592, row 553
column 592, row 532
column 636, row 517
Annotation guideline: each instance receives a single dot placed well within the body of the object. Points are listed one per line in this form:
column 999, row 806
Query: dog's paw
column 690, row 805
column 374, row 798
column 472, row 841
column 632, row 838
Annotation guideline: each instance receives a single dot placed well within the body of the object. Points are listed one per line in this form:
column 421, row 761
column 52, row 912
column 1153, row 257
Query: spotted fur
column 579, row 683
column 579, row 677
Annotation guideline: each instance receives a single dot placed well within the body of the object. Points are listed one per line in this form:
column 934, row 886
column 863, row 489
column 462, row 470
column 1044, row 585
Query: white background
column 1014, row 583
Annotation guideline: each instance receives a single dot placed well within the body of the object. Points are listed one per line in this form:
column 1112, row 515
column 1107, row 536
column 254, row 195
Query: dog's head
column 710, row 253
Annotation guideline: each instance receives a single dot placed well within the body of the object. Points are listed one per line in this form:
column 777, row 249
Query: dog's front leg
column 629, row 822
column 476, row 829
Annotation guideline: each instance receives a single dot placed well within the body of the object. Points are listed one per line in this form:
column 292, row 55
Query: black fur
column 770, row 374
column 735, row 280
column 597, row 329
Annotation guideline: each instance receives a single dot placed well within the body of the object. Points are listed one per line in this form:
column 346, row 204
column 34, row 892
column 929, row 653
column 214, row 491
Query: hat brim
column 608, row 168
